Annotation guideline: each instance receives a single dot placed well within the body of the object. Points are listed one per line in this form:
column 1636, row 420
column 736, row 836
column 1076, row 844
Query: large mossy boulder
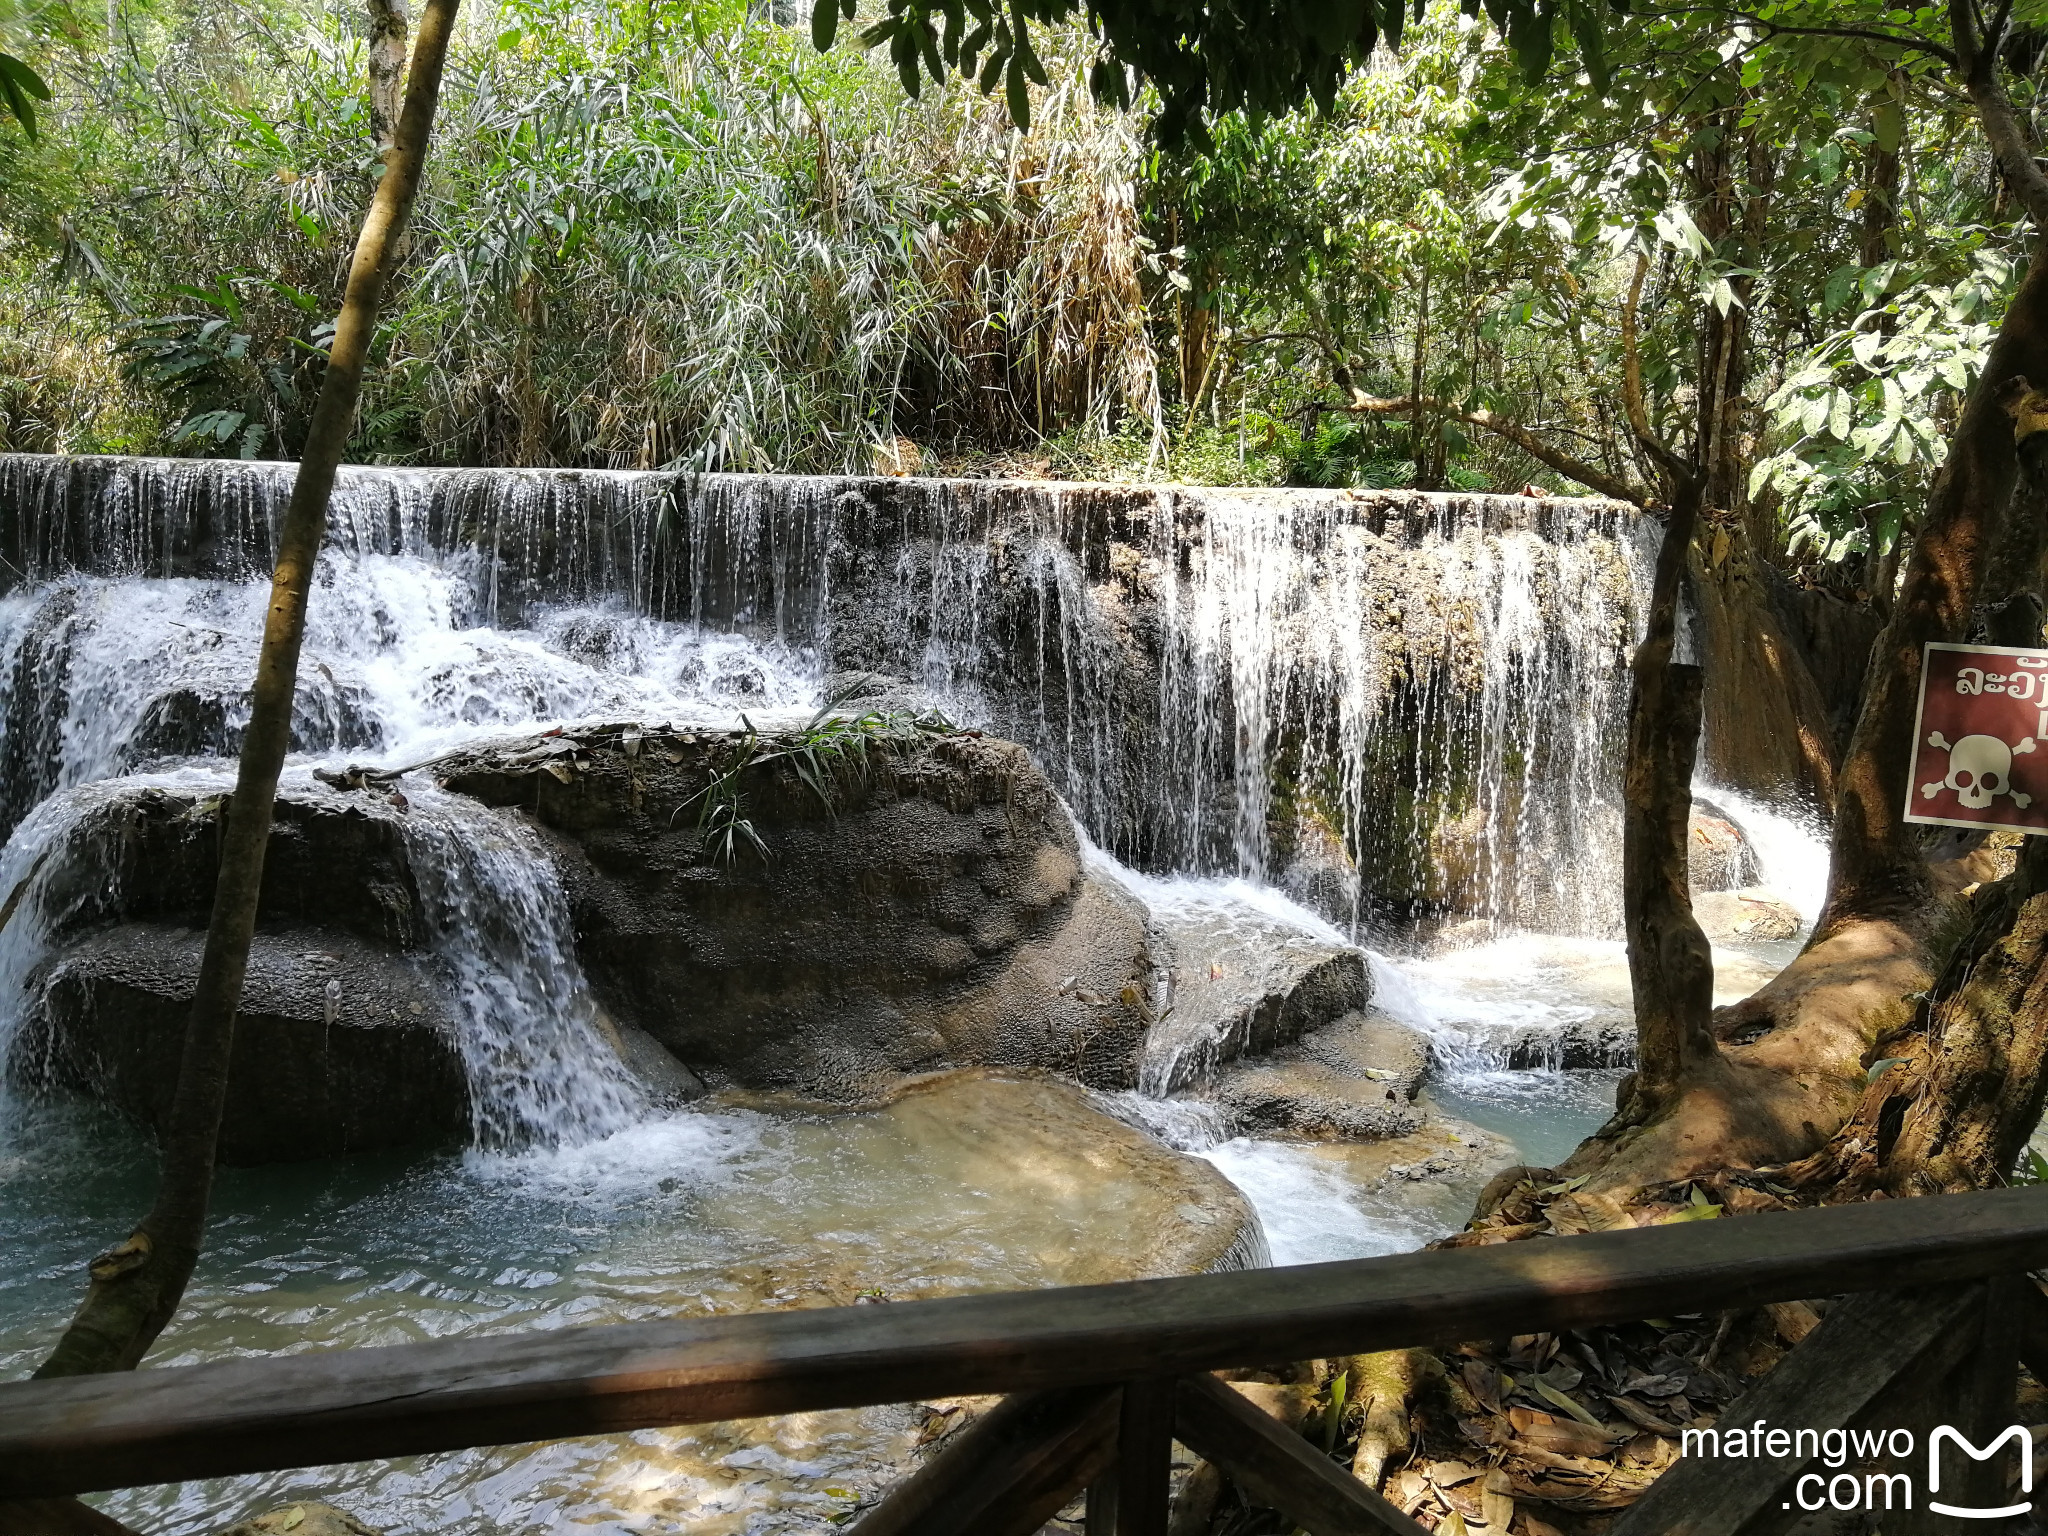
column 346, row 1039
column 747, row 915
column 340, row 1046
column 926, row 910
column 904, row 906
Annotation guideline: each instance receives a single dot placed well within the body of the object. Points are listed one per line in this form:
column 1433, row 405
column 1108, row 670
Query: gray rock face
column 1720, row 856
column 933, row 915
column 1435, row 1172
column 371, row 1064
column 1595, row 1042
column 1241, row 985
column 1372, row 1046
column 1752, row 914
column 1352, row 1080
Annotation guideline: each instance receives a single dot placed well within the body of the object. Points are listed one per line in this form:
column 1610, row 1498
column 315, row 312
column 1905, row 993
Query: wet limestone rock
column 1372, row 1046
column 307, row 1519
column 1054, row 1163
column 919, row 907
column 1242, row 985
column 1351, row 1080
column 1575, row 1046
column 340, row 1046
column 345, row 1039
column 1720, row 856
column 1433, row 1173
column 1755, row 915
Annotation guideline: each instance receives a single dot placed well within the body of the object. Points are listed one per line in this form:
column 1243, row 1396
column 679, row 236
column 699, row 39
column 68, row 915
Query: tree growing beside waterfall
column 136, row 1286
column 1782, row 1081
column 1904, row 1051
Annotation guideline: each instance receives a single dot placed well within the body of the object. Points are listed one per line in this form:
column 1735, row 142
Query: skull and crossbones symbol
column 1979, row 770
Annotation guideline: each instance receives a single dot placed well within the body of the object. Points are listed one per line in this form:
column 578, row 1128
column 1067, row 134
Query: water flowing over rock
column 412, row 979
column 1395, row 704
column 931, row 912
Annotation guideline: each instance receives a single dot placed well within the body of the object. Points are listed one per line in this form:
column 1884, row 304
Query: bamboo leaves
column 828, row 752
column 20, row 89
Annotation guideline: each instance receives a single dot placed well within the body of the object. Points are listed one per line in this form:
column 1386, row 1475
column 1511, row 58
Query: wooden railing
column 1102, row 1379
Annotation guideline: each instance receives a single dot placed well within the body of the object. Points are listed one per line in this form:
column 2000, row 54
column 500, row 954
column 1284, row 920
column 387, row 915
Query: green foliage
column 666, row 236
column 20, row 89
column 828, row 751
column 677, row 234
column 1206, row 59
column 1866, row 411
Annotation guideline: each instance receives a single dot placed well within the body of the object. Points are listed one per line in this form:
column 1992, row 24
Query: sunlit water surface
column 658, row 1215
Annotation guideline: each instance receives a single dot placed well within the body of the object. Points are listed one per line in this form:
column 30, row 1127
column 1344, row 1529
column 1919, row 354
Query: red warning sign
column 1980, row 745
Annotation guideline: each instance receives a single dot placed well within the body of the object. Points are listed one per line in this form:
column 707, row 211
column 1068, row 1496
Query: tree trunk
column 1963, row 1083
column 389, row 24
column 1791, row 1068
column 1419, row 420
column 136, row 1287
column 1968, row 1068
column 1671, row 968
column 1768, row 730
column 1878, row 872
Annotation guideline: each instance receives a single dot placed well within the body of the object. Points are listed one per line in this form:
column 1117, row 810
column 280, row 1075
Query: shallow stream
column 608, row 1209
column 707, row 1210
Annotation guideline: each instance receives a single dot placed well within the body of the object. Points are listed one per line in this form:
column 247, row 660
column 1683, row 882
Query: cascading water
column 1374, row 699
column 1791, row 847
column 1379, row 703
column 539, row 1070
column 1371, row 698
column 1378, row 700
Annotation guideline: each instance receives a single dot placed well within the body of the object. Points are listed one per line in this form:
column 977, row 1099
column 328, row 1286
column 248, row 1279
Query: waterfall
column 1394, row 705
column 1791, row 845
column 107, row 674
column 533, row 1044
column 533, row 1049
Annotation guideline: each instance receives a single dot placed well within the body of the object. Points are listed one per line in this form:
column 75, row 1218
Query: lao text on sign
column 1980, row 745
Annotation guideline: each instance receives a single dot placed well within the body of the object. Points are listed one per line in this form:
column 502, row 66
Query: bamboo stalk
column 137, row 1286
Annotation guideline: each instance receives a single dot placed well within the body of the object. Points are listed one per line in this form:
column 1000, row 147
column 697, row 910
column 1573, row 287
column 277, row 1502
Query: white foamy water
column 1791, row 847
column 1476, row 1004
column 106, row 673
column 539, row 1068
column 1311, row 1212
column 1231, row 898
column 1477, row 1007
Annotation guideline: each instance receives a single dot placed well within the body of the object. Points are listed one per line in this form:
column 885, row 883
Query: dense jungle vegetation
column 673, row 233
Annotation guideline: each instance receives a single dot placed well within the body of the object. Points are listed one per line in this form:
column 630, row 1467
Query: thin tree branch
column 1868, row 34
column 1978, row 61
column 1586, row 474
column 1666, row 458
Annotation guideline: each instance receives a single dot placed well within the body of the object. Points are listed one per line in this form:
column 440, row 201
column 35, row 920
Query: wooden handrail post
column 1278, row 1468
column 1869, row 1364
column 1008, row 1473
column 1144, row 1457
column 1979, row 1401
column 1100, row 1518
